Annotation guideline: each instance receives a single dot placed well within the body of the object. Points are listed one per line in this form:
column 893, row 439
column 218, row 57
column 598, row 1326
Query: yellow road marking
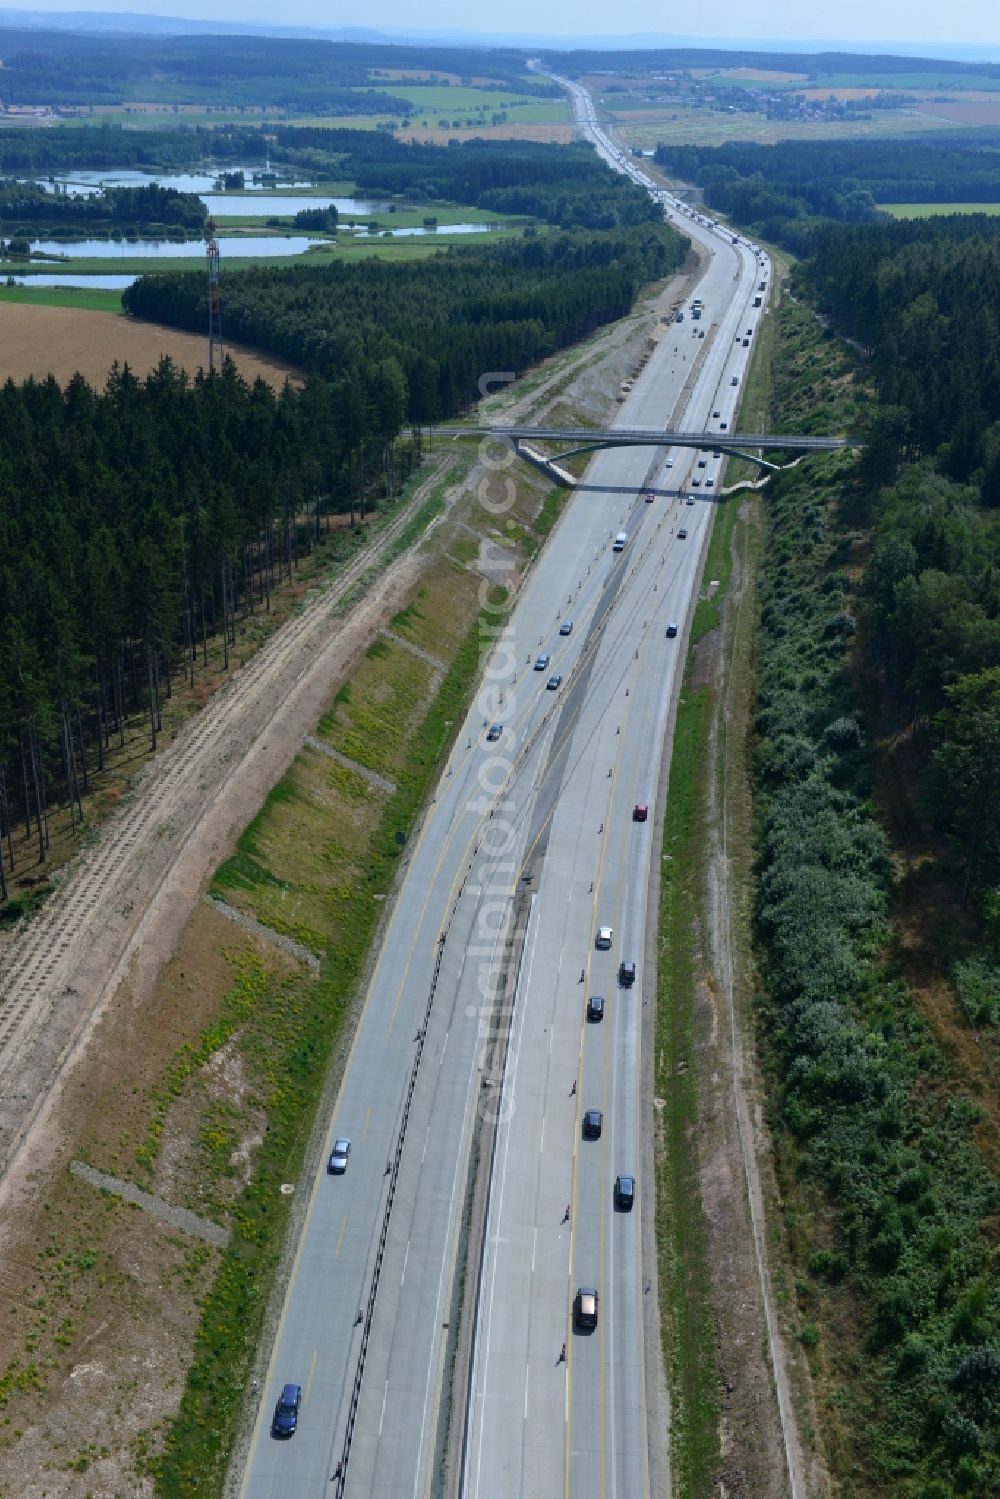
column 309, row 1377
column 340, row 1238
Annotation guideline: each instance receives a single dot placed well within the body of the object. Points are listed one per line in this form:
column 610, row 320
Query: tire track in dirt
column 62, row 964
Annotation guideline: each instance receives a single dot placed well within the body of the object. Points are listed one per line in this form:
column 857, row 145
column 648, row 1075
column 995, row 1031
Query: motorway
column 369, row 1312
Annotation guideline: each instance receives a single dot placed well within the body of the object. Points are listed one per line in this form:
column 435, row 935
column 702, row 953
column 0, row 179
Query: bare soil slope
column 60, row 341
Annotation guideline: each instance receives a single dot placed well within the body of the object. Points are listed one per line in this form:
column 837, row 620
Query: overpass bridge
column 748, row 445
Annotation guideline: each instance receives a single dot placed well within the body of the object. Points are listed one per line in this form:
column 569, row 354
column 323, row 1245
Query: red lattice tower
column 214, row 302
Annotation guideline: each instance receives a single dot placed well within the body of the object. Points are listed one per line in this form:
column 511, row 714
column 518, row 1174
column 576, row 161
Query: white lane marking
column 534, row 1245
column 406, row 1260
column 527, row 1370
column 444, row 1047
column 385, row 1396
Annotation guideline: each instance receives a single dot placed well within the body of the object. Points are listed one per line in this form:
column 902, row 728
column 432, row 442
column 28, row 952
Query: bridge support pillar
column 546, row 466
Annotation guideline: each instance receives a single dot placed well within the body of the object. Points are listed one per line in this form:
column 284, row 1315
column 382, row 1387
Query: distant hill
column 136, row 24
column 130, row 23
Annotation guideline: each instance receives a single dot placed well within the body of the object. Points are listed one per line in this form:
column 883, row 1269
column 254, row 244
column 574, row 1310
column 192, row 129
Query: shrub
column 977, row 985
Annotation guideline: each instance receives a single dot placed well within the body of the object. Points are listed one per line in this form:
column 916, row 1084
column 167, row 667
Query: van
column 620, row 543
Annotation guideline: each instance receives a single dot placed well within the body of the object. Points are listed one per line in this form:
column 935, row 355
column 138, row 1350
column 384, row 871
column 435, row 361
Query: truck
column 696, row 313
column 762, row 286
column 620, row 542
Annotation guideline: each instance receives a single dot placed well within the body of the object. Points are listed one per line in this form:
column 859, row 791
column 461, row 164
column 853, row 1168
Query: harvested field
column 560, row 134
column 760, row 75
column 844, row 94
column 981, row 112
column 60, row 341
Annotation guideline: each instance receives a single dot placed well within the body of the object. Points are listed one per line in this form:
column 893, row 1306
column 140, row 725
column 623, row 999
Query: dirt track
column 41, row 341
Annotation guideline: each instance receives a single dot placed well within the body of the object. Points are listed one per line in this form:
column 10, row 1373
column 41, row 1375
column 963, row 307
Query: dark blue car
column 286, row 1412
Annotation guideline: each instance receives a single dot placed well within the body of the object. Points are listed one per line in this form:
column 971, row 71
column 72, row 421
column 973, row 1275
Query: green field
column 429, row 103
column 438, row 100
column 98, row 300
column 910, row 83
column 531, row 112
column 933, row 210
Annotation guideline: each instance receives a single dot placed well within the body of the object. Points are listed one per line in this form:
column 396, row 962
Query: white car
column 604, row 935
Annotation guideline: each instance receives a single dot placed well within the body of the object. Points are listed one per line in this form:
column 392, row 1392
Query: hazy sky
column 912, row 21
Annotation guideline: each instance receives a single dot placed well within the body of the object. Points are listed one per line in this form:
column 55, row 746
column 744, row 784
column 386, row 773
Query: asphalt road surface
column 371, row 1300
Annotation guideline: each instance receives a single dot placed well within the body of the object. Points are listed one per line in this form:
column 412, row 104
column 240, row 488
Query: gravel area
column 188, row 1223
column 267, row 934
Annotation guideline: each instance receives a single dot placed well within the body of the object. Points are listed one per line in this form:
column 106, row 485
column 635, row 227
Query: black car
column 593, row 1123
column 595, row 1007
column 682, row 534
column 626, row 975
column 624, row 1193
column 286, row 1413
column 585, row 1304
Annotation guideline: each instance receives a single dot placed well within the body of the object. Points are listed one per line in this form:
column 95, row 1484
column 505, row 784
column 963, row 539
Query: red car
column 640, row 812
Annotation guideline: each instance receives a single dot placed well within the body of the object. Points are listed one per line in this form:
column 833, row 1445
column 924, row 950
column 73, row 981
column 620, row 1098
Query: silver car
column 339, row 1156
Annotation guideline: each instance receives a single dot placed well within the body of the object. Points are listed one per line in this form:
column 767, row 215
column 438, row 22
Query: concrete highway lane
column 369, row 1311
column 595, row 872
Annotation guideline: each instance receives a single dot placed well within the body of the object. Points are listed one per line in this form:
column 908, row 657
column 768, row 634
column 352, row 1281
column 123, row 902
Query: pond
column 246, row 247
column 87, row 180
column 251, row 201
column 449, row 229
column 235, row 205
column 99, row 283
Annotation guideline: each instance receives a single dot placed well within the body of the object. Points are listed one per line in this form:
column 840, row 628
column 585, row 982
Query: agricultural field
column 472, row 108
column 648, row 128
column 61, row 340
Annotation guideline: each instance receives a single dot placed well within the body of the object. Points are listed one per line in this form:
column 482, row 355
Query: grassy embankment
column 316, row 865
column 687, row 1311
